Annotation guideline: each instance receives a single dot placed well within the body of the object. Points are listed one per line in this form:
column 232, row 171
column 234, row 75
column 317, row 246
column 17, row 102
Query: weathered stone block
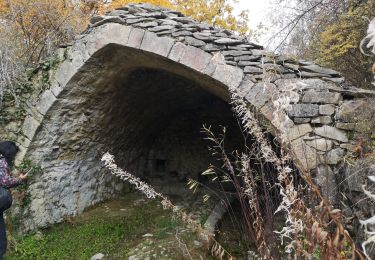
column 135, row 38
column 325, row 179
column 177, row 51
column 301, row 120
column 55, row 88
column 312, row 96
column 106, row 34
column 159, row 45
column 246, row 58
column 45, row 102
column 325, row 120
column 29, row 127
column 349, row 110
column 345, row 126
column 229, row 75
column 327, row 109
column 146, row 24
column 195, row 58
column 304, row 110
column 249, row 63
column 298, row 131
column 260, row 94
column 306, row 156
column 108, row 20
column 194, row 42
column 332, row 133
column 253, row 70
column 245, row 86
column 181, row 33
column 317, row 69
column 236, row 53
column 65, row 72
column 335, row 156
column 227, row 41
column 320, row 144
column 163, row 27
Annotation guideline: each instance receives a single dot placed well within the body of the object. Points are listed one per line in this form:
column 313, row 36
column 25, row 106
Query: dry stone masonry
column 138, row 80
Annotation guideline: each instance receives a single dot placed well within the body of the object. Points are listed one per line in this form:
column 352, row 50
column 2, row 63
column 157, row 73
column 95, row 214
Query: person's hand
column 23, row 176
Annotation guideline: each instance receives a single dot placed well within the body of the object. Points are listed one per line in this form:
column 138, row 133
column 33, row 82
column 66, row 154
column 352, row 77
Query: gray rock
column 304, row 110
column 335, row 156
column 195, row 58
column 312, row 96
column 161, row 28
column 45, row 102
column 236, row 53
column 135, row 37
column 332, row 133
column 335, row 80
column 164, row 33
column 298, row 131
column 146, row 25
column 157, row 15
column 159, row 45
column 177, row 51
column 29, row 127
column 253, row 70
column 172, row 23
column 321, row 144
column 97, row 256
column 206, row 37
column 325, row 179
column 345, row 126
column 181, row 33
column 307, row 156
column 291, row 66
column 305, row 74
column 320, row 70
column 96, row 18
column 327, row 110
column 139, row 20
column 227, row 41
column 301, row 120
column 194, row 42
column 321, row 120
column 260, row 94
column 246, row 58
column 212, row 47
column 245, row 86
column 248, row 63
column 233, row 63
column 229, row 75
column 109, row 19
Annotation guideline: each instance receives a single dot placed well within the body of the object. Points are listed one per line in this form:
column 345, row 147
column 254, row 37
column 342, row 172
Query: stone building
column 141, row 81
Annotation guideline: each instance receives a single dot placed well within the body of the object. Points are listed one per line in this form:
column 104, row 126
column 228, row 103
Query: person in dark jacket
column 8, row 151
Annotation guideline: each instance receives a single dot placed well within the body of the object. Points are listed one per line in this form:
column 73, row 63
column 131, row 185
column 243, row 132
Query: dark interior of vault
column 155, row 124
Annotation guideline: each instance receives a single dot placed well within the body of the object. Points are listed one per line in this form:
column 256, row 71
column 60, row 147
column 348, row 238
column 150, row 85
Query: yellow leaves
column 41, row 25
column 337, row 44
column 120, row 3
column 216, row 12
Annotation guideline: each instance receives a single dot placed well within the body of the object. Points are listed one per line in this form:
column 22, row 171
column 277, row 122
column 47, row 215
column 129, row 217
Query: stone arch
column 146, row 39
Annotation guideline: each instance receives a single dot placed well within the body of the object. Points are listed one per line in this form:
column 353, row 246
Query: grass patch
column 110, row 235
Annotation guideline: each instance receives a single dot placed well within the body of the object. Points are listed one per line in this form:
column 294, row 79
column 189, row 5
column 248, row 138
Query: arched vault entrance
column 142, row 90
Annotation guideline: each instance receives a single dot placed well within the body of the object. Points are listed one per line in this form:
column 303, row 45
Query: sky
column 258, row 10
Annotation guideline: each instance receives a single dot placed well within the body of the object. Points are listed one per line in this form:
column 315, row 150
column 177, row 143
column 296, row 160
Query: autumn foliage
column 38, row 26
